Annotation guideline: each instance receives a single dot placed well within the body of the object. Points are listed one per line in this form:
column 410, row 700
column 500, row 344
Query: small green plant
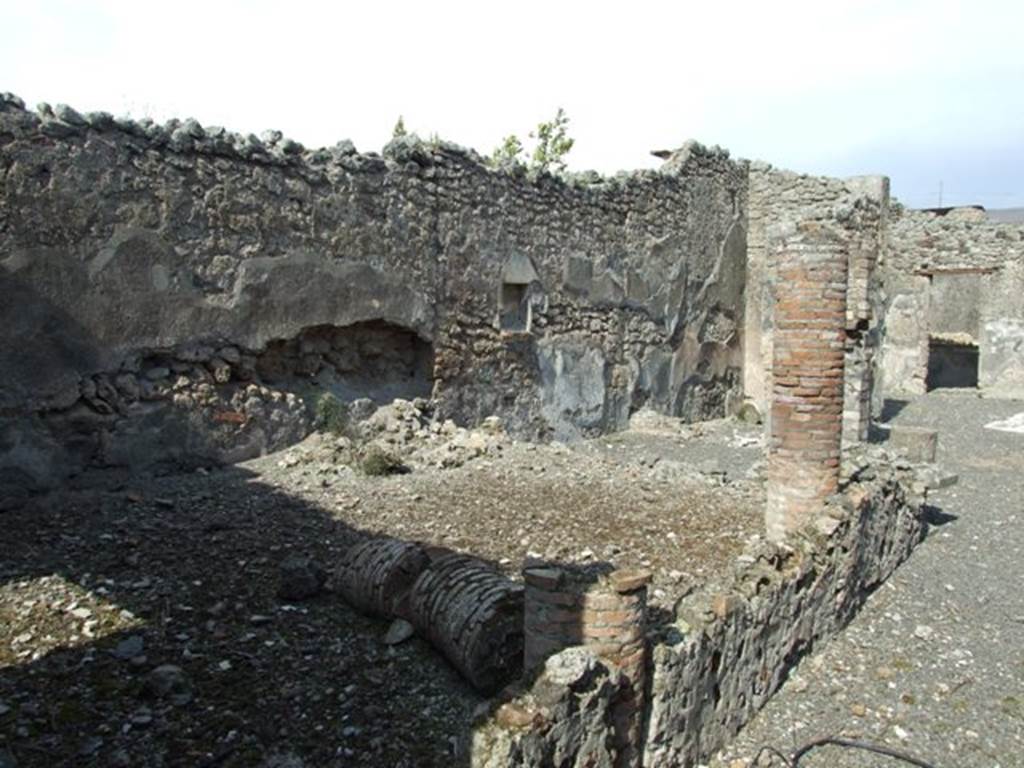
column 509, row 151
column 399, row 129
column 331, row 414
column 376, row 462
column 552, row 145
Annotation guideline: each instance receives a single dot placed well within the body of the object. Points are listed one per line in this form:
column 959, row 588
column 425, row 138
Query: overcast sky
column 926, row 92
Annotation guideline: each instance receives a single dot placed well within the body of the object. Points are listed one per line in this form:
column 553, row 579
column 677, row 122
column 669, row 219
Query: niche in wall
column 515, row 308
column 374, row 359
column 519, row 286
column 951, row 363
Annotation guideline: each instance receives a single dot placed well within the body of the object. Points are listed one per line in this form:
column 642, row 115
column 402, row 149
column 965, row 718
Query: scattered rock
column 300, row 578
column 361, row 409
column 749, row 413
column 129, row 648
column 283, row 760
column 142, row 717
column 513, row 715
column 90, row 746
column 169, row 682
column 493, row 425
column 399, row 631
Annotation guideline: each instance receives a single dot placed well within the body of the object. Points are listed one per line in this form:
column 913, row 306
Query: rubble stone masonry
column 728, row 647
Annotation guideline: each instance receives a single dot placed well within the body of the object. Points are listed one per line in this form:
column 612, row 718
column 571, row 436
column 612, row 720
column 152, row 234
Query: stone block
column 919, row 444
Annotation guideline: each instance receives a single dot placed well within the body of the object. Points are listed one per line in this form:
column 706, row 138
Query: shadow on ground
column 99, row 588
column 892, row 408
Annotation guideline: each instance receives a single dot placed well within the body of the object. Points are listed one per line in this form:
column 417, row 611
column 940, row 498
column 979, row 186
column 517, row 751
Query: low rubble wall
column 730, row 645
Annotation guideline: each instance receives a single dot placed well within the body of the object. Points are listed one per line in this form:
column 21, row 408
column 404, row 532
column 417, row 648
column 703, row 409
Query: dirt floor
column 140, row 625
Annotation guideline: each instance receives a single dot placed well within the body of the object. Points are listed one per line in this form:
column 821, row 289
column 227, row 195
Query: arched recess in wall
column 374, row 359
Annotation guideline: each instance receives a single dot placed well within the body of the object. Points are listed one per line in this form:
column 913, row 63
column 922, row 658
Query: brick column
column 807, row 386
column 607, row 615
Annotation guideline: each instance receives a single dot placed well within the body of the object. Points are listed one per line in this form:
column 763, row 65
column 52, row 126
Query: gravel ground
column 141, row 626
column 98, row 589
column 934, row 664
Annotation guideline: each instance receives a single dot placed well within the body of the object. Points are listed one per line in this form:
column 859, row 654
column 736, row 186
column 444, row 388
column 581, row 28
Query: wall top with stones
column 272, row 148
column 785, row 196
column 924, row 241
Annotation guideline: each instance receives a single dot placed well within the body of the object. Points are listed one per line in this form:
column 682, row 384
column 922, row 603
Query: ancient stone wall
column 560, row 305
column 954, row 279
column 737, row 646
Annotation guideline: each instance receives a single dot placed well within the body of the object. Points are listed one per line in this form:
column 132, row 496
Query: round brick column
column 606, row 613
column 807, row 381
column 377, row 575
column 474, row 616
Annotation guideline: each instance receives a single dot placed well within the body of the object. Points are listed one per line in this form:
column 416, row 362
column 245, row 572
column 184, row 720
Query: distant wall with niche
column 954, row 293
